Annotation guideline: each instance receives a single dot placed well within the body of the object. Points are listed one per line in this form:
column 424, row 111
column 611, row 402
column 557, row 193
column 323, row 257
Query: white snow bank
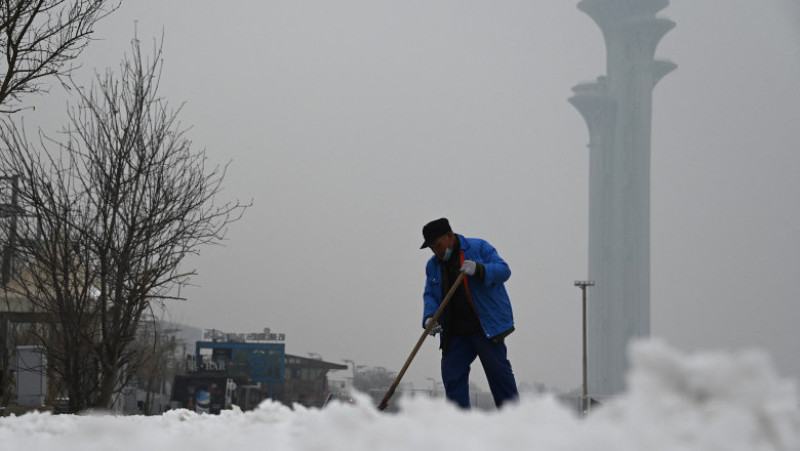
column 706, row 401
column 709, row 401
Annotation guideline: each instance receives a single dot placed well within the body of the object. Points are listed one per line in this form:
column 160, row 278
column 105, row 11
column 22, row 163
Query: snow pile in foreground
column 675, row 401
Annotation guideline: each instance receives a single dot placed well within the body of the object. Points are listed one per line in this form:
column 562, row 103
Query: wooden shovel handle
column 385, row 402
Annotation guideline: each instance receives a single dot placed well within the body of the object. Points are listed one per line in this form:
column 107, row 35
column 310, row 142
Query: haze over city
column 351, row 124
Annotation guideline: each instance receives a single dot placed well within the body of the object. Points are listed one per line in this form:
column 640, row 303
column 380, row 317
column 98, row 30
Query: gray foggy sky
column 352, row 123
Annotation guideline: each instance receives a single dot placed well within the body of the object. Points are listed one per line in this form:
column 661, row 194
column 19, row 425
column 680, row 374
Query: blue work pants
column 458, row 358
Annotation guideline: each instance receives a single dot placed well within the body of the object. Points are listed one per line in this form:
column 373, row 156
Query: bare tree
column 165, row 360
column 119, row 203
column 41, row 38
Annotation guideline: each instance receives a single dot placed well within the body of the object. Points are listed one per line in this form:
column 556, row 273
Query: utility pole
column 582, row 284
column 10, row 210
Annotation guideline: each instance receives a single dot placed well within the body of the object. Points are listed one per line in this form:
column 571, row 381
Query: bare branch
column 42, row 38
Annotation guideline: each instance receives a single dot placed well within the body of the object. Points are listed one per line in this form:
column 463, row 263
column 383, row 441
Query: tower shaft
column 618, row 111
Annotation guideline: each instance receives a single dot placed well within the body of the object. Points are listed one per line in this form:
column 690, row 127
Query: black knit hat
column 434, row 230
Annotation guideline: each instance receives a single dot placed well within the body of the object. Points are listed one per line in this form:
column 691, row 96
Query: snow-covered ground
column 675, row 401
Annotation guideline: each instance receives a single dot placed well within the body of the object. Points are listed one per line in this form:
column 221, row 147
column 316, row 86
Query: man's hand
column 433, row 330
column 469, row 267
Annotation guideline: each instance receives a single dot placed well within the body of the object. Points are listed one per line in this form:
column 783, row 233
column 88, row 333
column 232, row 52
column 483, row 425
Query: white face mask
column 447, row 254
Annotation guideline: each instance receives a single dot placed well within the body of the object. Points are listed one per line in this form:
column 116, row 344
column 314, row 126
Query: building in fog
column 617, row 108
column 245, row 369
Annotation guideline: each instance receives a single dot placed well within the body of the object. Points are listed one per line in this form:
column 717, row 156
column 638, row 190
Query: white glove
column 435, row 329
column 469, row 267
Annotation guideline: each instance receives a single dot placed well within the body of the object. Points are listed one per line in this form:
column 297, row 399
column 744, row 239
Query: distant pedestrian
column 477, row 318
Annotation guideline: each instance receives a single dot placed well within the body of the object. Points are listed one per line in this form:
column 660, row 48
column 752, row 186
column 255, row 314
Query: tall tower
column 618, row 110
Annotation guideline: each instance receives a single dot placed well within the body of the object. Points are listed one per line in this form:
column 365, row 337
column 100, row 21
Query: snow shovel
column 385, row 402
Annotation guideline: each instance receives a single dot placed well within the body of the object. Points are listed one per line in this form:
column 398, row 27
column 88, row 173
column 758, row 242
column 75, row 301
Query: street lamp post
column 582, row 284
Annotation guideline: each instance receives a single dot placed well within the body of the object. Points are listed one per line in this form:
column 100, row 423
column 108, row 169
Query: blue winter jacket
column 488, row 296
